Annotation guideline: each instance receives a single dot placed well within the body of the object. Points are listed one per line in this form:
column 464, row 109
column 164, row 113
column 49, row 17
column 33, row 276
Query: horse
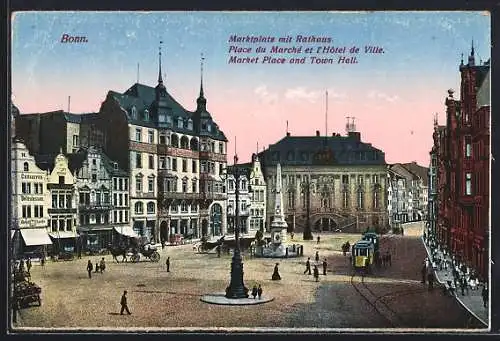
column 117, row 251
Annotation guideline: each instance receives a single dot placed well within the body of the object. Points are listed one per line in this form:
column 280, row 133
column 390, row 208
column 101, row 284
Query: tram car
column 363, row 255
column 372, row 237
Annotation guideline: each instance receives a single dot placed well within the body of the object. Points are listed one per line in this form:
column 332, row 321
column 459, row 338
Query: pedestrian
column 291, row 235
column 276, row 275
column 254, row 291
column 430, row 279
column 402, row 231
column 424, row 272
column 308, row 267
column 102, row 265
column 28, row 264
column 324, row 266
column 259, row 291
column 316, row 258
column 389, row 260
column 42, row 260
column 317, row 240
column 90, row 267
column 218, row 250
column 97, row 267
column 21, row 265
column 123, row 303
column 484, row 294
column 316, row 273
column 167, row 263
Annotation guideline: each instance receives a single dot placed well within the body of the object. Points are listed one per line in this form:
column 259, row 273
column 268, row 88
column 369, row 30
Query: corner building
column 174, row 158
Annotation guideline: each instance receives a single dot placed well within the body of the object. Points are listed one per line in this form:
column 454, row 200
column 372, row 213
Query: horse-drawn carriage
column 134, row 249
column 224, row 243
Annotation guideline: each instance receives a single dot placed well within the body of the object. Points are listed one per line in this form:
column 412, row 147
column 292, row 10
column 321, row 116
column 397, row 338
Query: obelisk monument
column 278, row 224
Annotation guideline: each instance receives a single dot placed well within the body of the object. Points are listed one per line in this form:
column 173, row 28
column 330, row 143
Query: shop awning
column 63, row 234
column 35, row 237
column 126, row 231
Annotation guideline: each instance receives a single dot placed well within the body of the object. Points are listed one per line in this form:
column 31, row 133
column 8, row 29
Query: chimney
column 355, row 135
column 317, row 132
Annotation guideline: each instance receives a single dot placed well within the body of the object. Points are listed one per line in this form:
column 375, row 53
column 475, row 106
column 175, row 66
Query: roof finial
column 201, row 72
column 462, row 59
column 160, row 79
column 472, row 49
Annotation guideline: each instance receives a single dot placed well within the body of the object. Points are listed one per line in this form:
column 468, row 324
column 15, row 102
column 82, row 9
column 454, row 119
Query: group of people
column 315, row 271
column 99, row 267
column 463, row 277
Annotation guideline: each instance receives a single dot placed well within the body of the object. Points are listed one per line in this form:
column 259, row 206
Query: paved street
column 160, row 299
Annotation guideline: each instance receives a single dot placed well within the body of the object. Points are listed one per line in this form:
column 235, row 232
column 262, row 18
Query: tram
column 363, row 255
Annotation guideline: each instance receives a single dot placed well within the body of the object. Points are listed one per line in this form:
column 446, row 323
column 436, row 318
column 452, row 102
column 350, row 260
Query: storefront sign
column 31, row 177
column 32, row 222
column 31, row 198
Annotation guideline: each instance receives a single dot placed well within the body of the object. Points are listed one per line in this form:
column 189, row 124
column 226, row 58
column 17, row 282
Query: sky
column 392, row 95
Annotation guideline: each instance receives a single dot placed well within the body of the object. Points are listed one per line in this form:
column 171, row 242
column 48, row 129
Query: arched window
column 139, row 207
column 190, row 124
column 151, row 207
column 184, row 142
column 175, row 140
column 146, row 115
column 26, row 167
column 194, row 144
column 134, row 112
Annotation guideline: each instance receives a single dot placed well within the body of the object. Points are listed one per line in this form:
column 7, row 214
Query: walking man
column 317, row 257
column 90, row 267
column 102, row 265
column 28, row 264
column 484, row 294
column 308, row 267
column 123, row 303
column 168, row 264
column 318, row 239
column 316, row 273
column 324, row 266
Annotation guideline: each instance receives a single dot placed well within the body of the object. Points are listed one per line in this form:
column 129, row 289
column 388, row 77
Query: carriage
column 147, row 250
column 205, row 245
column 134, row 251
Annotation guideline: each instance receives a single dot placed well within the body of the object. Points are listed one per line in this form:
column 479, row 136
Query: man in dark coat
column 276, row 275
column 316, row 258
column 484, row 294
column 90, row 267
column 254, row 291
column 324, row 266
column 316, row 273
column 259, row 291
column 318, row 239
column 167, row 263
column 308, row 266
column 123, row 303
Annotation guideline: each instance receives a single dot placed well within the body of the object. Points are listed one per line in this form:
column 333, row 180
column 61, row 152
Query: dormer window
column 180, row 123
column 161, row 118
column 115, row 165
column 190, row 124
column 203, row 126
column 169, row 119
column 134, row 113
column 209, row 127
column 146, row 115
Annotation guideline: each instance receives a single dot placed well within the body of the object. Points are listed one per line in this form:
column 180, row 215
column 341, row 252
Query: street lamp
column 306, row 190
column 236, row 288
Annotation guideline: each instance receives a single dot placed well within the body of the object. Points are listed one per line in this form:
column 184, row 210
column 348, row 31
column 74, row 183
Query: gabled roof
column 46, row 161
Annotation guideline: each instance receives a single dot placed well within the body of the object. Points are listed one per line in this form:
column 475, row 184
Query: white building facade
column 30, row 201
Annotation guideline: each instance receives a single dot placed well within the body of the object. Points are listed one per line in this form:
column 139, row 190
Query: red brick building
column 463, row 168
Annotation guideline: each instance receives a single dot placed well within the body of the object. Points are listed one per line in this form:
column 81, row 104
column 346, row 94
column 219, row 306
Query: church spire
column 201, row 101
column 201, row 72
column 160, row 79
column 471, row 57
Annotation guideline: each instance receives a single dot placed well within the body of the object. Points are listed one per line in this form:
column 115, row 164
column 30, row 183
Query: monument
column 278, row 246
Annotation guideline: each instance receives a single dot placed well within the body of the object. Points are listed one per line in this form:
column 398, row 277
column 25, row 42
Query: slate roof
column 418, row 170
column 69, row 117
column 244, row 168
column 143, row 97
column 483, row 94
column 321, row 150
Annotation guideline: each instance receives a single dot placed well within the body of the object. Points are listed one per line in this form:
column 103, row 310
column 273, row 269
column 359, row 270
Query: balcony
column 180, row 196
column 213, row 156
column 213, row 196
column 95, row 206
column 61, row 210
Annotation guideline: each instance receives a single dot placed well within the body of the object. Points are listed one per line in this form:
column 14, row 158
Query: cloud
column 301, row 93
column 266, row 96
column 380, row 95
